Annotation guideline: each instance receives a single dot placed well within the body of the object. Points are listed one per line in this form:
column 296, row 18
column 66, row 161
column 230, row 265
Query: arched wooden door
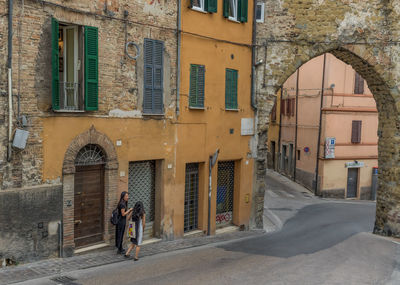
column 89, row 196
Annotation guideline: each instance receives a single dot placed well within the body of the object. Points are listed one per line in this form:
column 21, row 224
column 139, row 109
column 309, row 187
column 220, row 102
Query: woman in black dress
column 120, row 228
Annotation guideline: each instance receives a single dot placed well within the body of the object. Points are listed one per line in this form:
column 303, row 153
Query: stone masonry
column 364, row 34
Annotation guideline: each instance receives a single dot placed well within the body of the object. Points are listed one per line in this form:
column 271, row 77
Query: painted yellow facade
column 218, row 43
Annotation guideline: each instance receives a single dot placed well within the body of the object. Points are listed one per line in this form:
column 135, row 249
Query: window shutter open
column 148, row 76
column 234, row 90
column 193, row 86
column 211, row 6
column 242, row 10
column 273, row 113
column 356, row 131
column 201, row 82
column 196, row 92
column 283, row 108
column 226, row 9
column 91, row 69
column 55, row 82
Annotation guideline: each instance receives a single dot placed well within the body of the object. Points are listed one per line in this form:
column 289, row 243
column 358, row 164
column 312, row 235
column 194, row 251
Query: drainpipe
column 253, row 58
column 178, row 68
column 320, row 127
column 297, row 121
column 9, row 65
column 280, row 130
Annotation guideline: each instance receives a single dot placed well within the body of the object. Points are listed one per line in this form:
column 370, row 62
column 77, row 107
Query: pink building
column 345, row 129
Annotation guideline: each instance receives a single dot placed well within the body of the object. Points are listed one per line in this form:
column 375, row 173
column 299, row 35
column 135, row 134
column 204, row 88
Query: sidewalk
column 60, row 266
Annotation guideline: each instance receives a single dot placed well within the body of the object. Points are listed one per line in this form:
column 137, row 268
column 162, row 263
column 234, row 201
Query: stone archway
column 90, row 137
column 372, row 66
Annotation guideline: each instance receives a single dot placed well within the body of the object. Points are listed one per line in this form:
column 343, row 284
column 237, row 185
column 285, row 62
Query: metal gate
column 352, row 183
column 191, row 197
column 141, row 187
column 225, row 188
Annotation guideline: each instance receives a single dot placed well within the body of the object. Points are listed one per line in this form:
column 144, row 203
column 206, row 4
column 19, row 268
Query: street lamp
column 212, row 162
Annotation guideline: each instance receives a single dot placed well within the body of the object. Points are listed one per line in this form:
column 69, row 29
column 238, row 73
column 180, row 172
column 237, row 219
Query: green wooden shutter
column 200, row 85
column 231, row 82
column 226, row 9
column 211, row 6
column 91, row 69
column 55, row 82
column 193, row 86
column 242, row 10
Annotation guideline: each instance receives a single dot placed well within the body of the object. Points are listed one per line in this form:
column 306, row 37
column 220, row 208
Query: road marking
column 273, row 194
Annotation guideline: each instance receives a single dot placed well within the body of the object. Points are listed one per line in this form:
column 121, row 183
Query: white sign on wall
column 247, row 128
column 354, row 164
column 330, row 147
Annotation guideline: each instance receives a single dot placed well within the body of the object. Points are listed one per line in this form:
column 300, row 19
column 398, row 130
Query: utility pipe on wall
column 9, row 65
column 320, row 127
column 253, row 59
column 178, row 68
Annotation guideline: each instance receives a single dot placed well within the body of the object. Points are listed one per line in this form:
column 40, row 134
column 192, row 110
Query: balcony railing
column 69, row 96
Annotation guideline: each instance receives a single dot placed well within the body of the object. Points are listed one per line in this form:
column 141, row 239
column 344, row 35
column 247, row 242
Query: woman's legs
column 137, row 251
column 130, row 249
column 120, row 237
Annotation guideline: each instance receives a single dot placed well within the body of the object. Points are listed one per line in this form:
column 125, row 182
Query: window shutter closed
column 288, row 106
column 158, row 78
column 211, row 5
column 226, row 9
column 242, row 11
column 55, row 82
column 196, row 92
column 358, row 84
column 356, row 132
column 283, row 108
column 231, row 78
column 91, row 69
column 293, row 107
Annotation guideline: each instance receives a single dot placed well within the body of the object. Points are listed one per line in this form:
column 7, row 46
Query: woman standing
column 139, row 217
column 120, row 228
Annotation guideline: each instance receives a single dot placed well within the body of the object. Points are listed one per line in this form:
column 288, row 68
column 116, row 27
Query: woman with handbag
column 120, row 228
column 137, row 227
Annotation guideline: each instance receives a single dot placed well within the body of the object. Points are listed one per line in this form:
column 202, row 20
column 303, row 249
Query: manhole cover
column 64, row 280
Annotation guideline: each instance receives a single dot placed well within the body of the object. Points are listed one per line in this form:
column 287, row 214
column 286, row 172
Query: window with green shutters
column 231, row 87
column 196, row 91
column 236, row 10
column 74, row 67
column 153, row 77
column 204, row 5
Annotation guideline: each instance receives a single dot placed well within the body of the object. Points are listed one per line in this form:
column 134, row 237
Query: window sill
column 69, row 111
column 234, row 20
column 197, row 9
column 196, row 108
column 260, row 21
column 232, row 110
column 151, row 114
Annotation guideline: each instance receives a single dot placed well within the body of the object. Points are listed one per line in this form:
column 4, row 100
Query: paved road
column 319, row 242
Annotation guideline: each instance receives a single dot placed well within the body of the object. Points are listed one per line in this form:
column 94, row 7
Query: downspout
column 320, row 127
column 296, row 127
column 9, row 65
column 253, row 58
column 178, row 68
column 280, row 130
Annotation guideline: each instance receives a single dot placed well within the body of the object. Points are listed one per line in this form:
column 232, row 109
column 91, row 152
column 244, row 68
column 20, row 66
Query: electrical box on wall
column 20, row 138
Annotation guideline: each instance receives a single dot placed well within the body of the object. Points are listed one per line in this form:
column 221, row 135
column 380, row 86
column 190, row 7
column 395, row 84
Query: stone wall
column 363, row 34
column 29, row 223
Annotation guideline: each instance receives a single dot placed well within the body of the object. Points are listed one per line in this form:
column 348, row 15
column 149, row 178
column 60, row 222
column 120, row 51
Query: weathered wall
column 29, row 223
column 360, row 33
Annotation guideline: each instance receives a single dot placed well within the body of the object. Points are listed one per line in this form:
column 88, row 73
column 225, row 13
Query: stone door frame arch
column 372, row 67
column 91, row 136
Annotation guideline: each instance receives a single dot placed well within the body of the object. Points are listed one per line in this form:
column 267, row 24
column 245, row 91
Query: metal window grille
column 141, row 186
column 191, row 197
column 225, row 188
column 90, row 154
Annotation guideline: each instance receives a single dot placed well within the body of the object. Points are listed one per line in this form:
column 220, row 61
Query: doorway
column 225, row 192
column 191, row 197
column 89, row 196
column 352, row 183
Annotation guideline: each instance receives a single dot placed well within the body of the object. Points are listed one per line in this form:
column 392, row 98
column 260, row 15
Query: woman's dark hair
column 138, row 210
column 121, row 199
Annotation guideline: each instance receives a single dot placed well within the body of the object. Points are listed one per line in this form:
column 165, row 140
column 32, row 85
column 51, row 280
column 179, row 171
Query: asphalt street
column 317, row 241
